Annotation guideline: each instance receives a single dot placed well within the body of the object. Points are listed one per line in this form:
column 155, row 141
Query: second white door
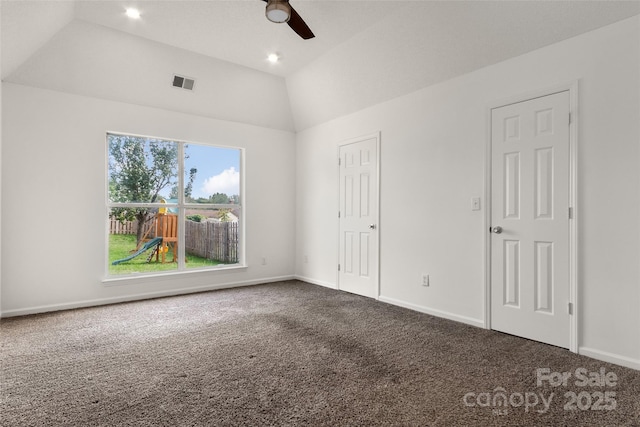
column 358, row 217
column 530, row 219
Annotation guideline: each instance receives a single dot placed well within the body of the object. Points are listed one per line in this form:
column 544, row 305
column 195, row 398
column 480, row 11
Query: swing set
column 160, row 236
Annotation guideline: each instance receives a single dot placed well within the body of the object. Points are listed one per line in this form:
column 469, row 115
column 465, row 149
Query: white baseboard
column 139, row 297
column 604, row 356
column 438, row 313
column 316, row 282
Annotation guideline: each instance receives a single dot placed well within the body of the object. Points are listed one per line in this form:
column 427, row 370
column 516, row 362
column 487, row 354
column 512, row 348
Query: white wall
column 432, row 164
column 26, row 26
column 395, row 56
column 88, row 59
column 53, row 198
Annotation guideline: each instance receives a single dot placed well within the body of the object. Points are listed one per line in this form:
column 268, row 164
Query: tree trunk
column 142, row 219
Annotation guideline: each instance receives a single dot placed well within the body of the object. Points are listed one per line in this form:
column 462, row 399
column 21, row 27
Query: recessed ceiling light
column 273, row 58
column 133, row 13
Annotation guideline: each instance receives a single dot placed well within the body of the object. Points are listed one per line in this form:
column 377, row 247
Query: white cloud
column 227, row 182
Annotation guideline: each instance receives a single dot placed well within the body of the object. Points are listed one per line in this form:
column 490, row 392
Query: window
column 172, row 206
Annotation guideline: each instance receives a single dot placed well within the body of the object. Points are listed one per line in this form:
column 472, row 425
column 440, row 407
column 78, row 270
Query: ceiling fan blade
column 298, row 25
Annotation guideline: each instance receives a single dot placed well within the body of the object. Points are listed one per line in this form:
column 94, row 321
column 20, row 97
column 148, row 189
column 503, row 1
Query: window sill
column 136, row 278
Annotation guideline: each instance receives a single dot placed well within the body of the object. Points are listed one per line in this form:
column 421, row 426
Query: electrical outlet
column 425, row 280
column 306, row 259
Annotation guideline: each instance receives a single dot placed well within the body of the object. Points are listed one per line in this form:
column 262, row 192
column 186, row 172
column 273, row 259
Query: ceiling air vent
column 183, row 82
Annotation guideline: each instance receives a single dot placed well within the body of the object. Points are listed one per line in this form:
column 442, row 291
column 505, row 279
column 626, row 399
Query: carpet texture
column 293, row 354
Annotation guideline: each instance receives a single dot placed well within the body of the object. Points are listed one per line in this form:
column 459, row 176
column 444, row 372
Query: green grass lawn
column 121, row 246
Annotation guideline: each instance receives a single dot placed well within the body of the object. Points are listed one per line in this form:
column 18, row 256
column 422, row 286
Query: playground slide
column 151, row 243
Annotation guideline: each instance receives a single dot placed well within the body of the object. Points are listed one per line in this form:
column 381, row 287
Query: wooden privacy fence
column 212, row 240
column 117, row 227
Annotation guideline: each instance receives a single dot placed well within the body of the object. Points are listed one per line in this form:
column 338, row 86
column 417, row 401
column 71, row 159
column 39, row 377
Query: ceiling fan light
column 278, row 11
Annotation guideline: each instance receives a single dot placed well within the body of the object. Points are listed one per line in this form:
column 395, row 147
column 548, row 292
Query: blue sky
column 218, row 169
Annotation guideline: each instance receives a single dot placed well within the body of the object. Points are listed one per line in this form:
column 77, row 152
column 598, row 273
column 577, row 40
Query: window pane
column 212, row 237
column 142, row 241
column 212, row 174
column 146, row 200
column 142, row 170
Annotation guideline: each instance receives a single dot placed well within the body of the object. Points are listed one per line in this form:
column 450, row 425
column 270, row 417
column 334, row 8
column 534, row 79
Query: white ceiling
column 364, row 52
column 235, row 31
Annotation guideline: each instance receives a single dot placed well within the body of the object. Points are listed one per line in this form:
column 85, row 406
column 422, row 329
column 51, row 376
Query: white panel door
column 358, row 218
column 530, row 219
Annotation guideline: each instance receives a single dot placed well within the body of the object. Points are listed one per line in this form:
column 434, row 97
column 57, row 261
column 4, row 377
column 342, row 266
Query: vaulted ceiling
column 364, row 52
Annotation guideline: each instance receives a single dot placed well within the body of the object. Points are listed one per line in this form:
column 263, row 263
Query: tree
column 219, row 198
column 224, row 215
column 139, row 169
column 188, row 189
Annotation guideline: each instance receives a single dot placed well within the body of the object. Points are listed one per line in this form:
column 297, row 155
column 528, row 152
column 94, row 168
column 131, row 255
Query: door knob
column 497, row 229
column 372, row 226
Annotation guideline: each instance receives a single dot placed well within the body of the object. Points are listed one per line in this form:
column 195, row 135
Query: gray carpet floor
column 291, row 354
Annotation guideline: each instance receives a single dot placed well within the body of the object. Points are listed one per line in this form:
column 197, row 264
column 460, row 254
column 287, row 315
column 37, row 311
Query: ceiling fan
column 280, row 11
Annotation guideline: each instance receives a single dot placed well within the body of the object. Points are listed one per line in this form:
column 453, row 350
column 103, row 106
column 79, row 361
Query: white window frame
column 182, row 207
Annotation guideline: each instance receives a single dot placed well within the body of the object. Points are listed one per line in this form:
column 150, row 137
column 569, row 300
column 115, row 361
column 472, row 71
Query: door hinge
column 338, row 267
column 338, row 214
column 570, row 118
column 339, row 161
column 570, row 213
column 570, row 308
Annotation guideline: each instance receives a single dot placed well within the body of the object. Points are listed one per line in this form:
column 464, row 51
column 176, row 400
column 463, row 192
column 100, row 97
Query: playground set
column 159, row 237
